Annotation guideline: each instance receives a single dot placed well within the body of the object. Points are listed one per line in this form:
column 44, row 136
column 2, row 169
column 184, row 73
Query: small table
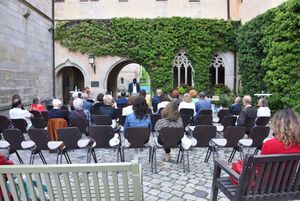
column 262, row 95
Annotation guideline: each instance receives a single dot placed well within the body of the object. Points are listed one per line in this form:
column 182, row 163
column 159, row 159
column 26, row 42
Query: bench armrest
column 223, row 165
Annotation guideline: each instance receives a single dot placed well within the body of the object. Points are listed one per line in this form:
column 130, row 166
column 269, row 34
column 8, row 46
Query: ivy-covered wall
column 153, row 43
column 269, row 55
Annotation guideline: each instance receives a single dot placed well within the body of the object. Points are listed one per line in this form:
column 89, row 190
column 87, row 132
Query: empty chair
column 186, row 116
column 258, row 134
column 227, row 121
column 71, row 138
column 154, row 118
column 39, row 122
column 233, row 134
column 137, row 137
column 42, row 139
column 203, row 120
column 17, row 141
column 203, row 134
column 35, row 113
column 53, row 125
column 101, row 135
column 262, row 121
column 205, row 112
column 44, row 115
column 186, row 111
column 102, row 119
column 171, row 138
column 20, row 124
column 4, row 123
column 81, row 124
column 221, row 114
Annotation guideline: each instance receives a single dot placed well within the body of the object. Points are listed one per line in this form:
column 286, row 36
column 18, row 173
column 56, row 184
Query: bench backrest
column 117, row 181
column 270, row 177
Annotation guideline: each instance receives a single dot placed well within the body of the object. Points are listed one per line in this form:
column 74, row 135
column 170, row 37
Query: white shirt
column 134, row 91
column 263, row 112
column 127, row 110
column 162, row 105
column 18, row 113
column 185, row 105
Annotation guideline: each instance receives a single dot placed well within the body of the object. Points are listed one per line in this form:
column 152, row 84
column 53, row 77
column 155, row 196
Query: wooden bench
column 265, row 177
column 107, row 181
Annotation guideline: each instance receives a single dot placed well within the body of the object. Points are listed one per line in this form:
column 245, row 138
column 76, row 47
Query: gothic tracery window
column 217, row 70
column 182, row 70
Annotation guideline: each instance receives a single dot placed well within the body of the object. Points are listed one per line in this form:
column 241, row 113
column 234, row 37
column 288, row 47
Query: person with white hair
column 57, row 112
column 86, row 105
column 156, row 100
column 248, row 114
column 107, row 108
column 80, row 112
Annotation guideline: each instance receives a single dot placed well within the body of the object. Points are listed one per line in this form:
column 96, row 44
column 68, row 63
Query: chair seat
column 27, row 144
column 54, row 145
column 83, row 143
column 245, row 142
column 226, row 186
column 220, row 128
column 218, row 142
column 4, row 144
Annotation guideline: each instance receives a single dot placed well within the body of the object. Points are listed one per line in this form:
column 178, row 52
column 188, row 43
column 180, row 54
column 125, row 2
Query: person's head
column 35, row 101
column 158, row 92
column 238, row 100
column 187, row 98
column 107, row 99
column 163, row 97
column 140, row 107
column 262, row 102
column 286, row 126
column 193, row 93
column 175, row 93
column 86, row 89
column 75, row 95
column 170, row 112
column 84, row 96
column 134, row 80
column 16, row 96
column 56, row 104
column 123, row 94
column 78, row 104
column 100, row 97
column 143, row 93
column 17, row 103
column 202, row 95
column 247, row 100
column 131, row 99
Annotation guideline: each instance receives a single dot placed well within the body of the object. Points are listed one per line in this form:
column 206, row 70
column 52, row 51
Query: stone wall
column 25, row 51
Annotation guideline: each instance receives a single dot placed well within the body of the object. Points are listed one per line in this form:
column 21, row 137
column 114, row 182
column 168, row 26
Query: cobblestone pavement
column 170, row 182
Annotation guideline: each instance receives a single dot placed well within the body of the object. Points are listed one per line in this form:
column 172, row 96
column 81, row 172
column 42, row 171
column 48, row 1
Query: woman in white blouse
column 263, row 110
column 164, row 100
column 187, row 103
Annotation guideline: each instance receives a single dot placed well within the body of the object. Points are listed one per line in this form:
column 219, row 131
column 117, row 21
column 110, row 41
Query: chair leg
column 67, row 157
column 232, row 155
column 19, row 157
column 150, row 153
column 94, row 155
column 58, row 155
column 179, row 155
column 241, row 153
column 31, row 160
column 256, row 151
column 123, row 153
column 214, row 189
column 183, row 161
column 188, row 160
column 88, row 155
column 42, row 157
column 155, row 165
column 120, row 153
column 207, row 154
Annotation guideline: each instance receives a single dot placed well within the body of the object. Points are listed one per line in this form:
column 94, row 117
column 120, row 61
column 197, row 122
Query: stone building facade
column 26, row 50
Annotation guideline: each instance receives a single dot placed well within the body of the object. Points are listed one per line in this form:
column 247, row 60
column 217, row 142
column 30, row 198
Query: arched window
column 217, row 70
column 182, row 70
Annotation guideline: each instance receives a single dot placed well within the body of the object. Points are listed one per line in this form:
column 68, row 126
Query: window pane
column 189, row 76
column 221, row 75
column 175, row 77
column 212, row 71
column 182, row 76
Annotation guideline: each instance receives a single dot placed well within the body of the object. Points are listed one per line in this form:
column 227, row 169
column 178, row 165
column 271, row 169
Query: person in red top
column 36, row 105
column 286, row 127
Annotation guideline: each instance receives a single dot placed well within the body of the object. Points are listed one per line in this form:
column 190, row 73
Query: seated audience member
column 248, row 114
column 80, row 112
column 139, row 117
column 122, row 101
column 194, row 95
column 18, row 113
column 143, row 93
column 286, row 127
column 175, row 97
column 170, row 118
column 156, row 100
column 128, row 109
column 263, row 110
column 36, row 105
column 88, row 92
column 97, row 104
column 164, row 100
column 203, row 103
column 86, row 105
column 14, row 97
column 187, row 103
column 57, row 112
column 107, row 108
column 236, row 107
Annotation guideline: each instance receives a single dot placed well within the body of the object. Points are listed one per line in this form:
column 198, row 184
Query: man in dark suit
column 134, row 87
column 247, row 115
column 57, row 112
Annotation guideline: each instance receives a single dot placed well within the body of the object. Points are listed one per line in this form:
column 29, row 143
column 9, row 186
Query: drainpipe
column 53, row 50
column 234, row 72
column 228, row 9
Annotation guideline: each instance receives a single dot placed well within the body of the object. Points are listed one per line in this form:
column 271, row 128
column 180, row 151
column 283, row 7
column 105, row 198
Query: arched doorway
column 70, row 79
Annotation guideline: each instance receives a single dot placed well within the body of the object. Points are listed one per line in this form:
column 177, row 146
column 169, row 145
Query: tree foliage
column 153, row 43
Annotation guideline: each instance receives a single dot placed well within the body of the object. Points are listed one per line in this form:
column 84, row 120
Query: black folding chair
column 221, row 114
column 102, row 120
column 233, row 134
column 39, row 122
column 203, row 120
column 262, row 121
column 186, row 116
column 44, row 115
column 154, row 119
column 35, row 113
column 81, row 124
column 258, row 134
column 4, row 123
column 20, row 124
column 205, row 112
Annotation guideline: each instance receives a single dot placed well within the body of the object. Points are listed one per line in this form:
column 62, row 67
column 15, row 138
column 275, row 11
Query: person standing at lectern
column 134, row 87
